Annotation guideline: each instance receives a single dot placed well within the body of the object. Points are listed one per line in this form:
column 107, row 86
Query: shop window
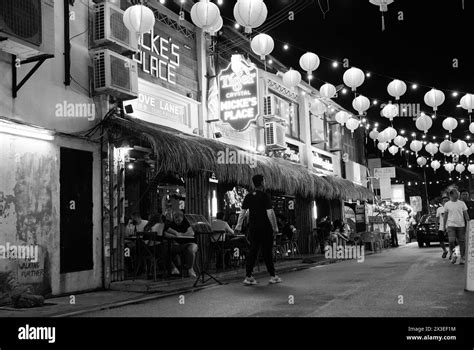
column 289, row 112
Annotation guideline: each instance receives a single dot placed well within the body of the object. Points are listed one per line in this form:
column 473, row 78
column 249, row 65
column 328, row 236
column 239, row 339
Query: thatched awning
column 184, row 153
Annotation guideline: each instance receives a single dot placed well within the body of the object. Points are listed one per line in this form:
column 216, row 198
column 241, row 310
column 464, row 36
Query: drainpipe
column 67, row 45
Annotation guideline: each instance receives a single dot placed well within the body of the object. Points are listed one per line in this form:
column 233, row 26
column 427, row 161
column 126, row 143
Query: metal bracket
column 39, row 61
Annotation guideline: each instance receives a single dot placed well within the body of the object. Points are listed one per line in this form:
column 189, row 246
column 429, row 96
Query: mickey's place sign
column 238, row 89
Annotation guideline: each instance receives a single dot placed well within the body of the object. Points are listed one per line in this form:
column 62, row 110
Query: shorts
column 441, row 236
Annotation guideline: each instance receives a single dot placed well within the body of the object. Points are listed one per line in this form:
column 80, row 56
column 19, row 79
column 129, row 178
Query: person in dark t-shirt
column 466, row 198
column 262, row 228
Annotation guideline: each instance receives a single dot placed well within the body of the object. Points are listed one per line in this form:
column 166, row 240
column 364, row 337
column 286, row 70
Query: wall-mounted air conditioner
column 27, row 27
column 110, row 31
column 115, row 75
column 270, row 109
column 275, row 136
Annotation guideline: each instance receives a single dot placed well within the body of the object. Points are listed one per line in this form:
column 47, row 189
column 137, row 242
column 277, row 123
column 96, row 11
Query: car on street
column 427, row 231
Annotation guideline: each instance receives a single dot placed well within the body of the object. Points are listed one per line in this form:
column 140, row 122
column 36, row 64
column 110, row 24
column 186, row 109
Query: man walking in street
column 440, row 222
column 262, row 228
column 466, row 198
column 455, row 223
column 390, row 221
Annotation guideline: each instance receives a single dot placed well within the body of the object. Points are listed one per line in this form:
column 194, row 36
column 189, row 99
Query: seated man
column 180, row 228
column 135, row 224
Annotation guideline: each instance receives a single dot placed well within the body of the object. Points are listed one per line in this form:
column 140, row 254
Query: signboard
column 416, row 204
column 321, row 161
column 372, row 164
column 385, row 188
column 356, row 173
column 161, row 107
column 398, row 193
column 385, row 172
column 238, row 93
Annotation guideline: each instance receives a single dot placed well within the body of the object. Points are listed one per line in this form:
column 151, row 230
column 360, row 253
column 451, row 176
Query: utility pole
column 426, row 191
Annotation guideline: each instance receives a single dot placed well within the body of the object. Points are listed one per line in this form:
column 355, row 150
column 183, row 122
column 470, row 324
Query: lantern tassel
column 463, row 4
column 383, row 23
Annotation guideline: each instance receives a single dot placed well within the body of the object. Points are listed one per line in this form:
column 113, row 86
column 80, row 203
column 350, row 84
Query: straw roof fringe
column 185, row 154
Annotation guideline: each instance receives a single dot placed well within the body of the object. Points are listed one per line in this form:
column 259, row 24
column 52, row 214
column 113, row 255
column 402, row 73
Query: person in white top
column 440, row 221
column 455, row 222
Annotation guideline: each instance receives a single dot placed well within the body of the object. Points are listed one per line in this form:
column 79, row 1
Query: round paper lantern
column 435, row 165
column 361, row 104
column 424, row 123
column 205, row 15
column 459, row 147
column 467, row 152
column 421, row 161
column 472, row 148
column 262, row 45
column 250, row 13
column 446, row 147
column 460, row 168
column 390, row 111
column 467, row 102
column 309, row 62
column 382, row 146
column 450, row 124
column 470, row 168
column 353, row 78
column 352, row 124
column 342, row 117
column 382, row 138
column 374, row 134
column 393, row 150
column 318, row 108
column 397, row 88
column 140, row 19
column 471, row 128
column 416, row 146
column 328, row 91
column 292, row 78
column 390, row 133
column 449, row 167
column 431, row 148
column 400, row 141
column 434, row 98
column 216, row 27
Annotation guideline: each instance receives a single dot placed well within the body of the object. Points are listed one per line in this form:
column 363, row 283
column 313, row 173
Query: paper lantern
column 471, row 128
column 459, row 147
column 450, row 124
column 352, row 124
column 460, row 168
column 383, row 5
column 361, row 104
column 205, row 14
column 421, row 161
column 449, row 167
column 470, row 168
column 382, row 146
column 353, row 78
column 262, row 45
column 309, row 62
column 397, row 88
column 424, row 123
column 416, row 146
column 467, row 152
column 446, row 147
column 382, row 138
column 328, row 91
column 390, row 133
column 393, row 150
column 140, row 19
column 342, row 117
column 292, row 78
column 472, row 148
column 467, row 102
column 250, row 13
column 400, row 141
column 373, row 135
column 318, row 108
column 434, row 98
column 431, row 148
column 435, row 165
column 216, row 27
column 390, row 111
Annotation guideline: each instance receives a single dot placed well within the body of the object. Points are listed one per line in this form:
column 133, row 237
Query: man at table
column 180, row 228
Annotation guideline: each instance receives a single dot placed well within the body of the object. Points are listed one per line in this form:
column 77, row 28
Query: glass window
column 289, row 112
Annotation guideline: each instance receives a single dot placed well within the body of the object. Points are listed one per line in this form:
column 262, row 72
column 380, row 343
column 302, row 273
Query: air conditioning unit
column 110, row 31
column 27, row 27
column 115, row 75
column 271, row 110
column 275, row 136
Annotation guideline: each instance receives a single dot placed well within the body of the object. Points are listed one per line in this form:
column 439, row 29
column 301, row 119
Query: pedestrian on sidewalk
column 390, row 221
column 262, row 229
column 455, row 223
column 440, row 222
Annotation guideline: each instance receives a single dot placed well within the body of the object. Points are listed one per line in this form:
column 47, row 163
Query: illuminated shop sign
column 238, row 90
column 322, row 162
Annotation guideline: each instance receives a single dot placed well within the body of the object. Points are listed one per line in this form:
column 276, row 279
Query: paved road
column 403, row 282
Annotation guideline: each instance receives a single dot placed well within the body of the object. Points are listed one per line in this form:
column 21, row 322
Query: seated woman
column 180, row 228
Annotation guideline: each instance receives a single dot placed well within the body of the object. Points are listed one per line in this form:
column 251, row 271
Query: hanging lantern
column 431, row 148
column 467, row 102
column 292, row 78
column 459, row 147
column 450, row 124
column 309, row 62
column 400, row 141
column 216, row 27
column 250, row 13
column 140, row 19
column 416, row 146
column 390, row 111
column 470, row 168
column 467, row 152
column 382, row 138
column 424, row 123
column 393, row 150
column 472, row 148
column 471, row 128
column 449, row 167
column 262, row 45
column 421, row 161
column 352, row 124
column 383, row 5
column 460, row 168
column 353, row 78
column 342, row 117
column 318, row 108
column 361, row 104
column 382, row 146
column 435, row 165
column 328, row 91
column 446, row 147
column 390, row 133
column 397, row 89
column 373, row 135
column 434, row 98
column 205, row 15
